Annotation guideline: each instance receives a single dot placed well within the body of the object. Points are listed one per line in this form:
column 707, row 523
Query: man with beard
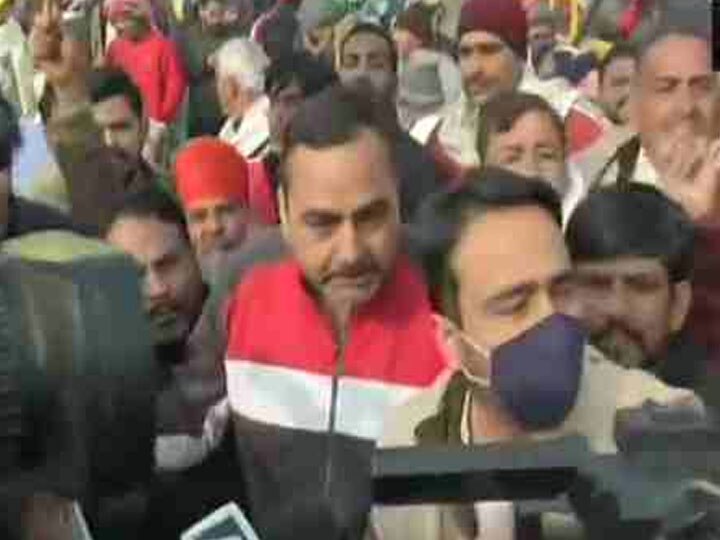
column 634, row 282
column 199, row 40
column 367, row 62
column 322, row 343
column 96, row 125
column 673, row 106
column 615, row 77
column 495, row 254
column 150, row 227
column 215, row 187
column 492, row 52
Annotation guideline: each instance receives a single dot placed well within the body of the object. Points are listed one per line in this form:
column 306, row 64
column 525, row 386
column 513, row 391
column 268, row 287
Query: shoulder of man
column 231, row 268
column 401, row 421
column 592, row 160
column 27, row 216
column 635, row 386
column 607, row 388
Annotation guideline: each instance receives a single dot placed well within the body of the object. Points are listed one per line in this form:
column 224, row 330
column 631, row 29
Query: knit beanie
column 504, row 18
column 417, row 19
column 210, row 169
column 115, row 9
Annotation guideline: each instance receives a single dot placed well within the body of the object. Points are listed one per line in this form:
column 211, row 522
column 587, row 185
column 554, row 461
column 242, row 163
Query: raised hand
column 691, row 175
column 63, row 59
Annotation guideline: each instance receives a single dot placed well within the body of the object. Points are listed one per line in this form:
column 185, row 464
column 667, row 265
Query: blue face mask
column 536, row 375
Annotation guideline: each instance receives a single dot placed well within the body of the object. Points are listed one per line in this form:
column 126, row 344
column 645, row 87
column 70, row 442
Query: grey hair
column 244, row 61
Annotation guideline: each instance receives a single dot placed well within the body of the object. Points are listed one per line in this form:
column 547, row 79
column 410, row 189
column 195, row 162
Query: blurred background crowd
column 394, row 222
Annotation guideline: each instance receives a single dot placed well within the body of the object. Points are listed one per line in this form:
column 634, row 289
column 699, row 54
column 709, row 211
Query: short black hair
column 441, row 220
column 370, row 28
column 301, row 68
column 619, row 50
column 151, row 203
column 335, row 117
column 106, row 83
column 633, row 220
column 10, row 136
column 500, row 113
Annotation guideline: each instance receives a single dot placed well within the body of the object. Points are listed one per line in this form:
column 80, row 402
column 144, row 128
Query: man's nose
column 212, row 226
column 348, row 246
column 156, row 288
column 686, row 103
column 616, row 301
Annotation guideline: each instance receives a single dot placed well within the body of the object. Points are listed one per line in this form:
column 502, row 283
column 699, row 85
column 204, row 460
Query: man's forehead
column 677, row 55
column 621, row 266
column 479, row 37
column 147, row 240
column 368, row 43
column 361, row 167
column 113, row 107
column 503, row 248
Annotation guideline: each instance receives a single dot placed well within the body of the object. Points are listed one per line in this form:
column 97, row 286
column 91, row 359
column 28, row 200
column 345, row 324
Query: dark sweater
column 25, row 217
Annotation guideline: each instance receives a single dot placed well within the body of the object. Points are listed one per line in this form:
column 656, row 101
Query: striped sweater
column 281, row 366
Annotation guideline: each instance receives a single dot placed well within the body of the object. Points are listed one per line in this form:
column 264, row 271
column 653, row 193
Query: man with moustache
column 674, row 107
column 322, row 343
column 492, row 52
column 495, row 254
column 634, row 283
column 615, row 77
column 673, row 103
column 190, row 481
column 367, row 62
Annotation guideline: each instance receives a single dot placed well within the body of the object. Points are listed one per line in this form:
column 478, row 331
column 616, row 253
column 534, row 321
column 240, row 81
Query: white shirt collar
column 252, row 132
column 645, row 172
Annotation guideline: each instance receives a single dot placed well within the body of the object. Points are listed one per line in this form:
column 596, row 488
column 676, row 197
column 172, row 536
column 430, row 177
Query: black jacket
column 26, row 217
column 685, row 364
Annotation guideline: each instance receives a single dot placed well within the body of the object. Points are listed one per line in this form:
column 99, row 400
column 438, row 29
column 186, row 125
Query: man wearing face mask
column 367, row 61
column 496, row 256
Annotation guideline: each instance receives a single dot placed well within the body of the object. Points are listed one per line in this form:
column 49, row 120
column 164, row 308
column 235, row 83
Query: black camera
column 77, row 376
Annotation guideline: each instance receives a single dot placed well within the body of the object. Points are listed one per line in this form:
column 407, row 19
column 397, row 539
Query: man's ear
column 634, row 105
column 282, row 211
column 680, row 307
column 448, row 341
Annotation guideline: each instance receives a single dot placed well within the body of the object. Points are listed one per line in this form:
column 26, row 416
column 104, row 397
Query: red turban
column 504, row 18
column 210, row 169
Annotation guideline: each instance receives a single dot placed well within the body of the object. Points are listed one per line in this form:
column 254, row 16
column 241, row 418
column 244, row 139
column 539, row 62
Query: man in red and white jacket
column 322, row 344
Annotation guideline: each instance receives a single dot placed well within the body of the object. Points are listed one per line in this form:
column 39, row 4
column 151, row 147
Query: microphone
column 655, row 427
column 342, row 336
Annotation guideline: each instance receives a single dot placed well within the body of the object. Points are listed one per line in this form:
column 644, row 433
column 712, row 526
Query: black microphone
column 657, row 428
column 342, row 338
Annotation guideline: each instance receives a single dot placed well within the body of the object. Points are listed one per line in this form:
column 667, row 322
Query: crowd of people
column 378, row 224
